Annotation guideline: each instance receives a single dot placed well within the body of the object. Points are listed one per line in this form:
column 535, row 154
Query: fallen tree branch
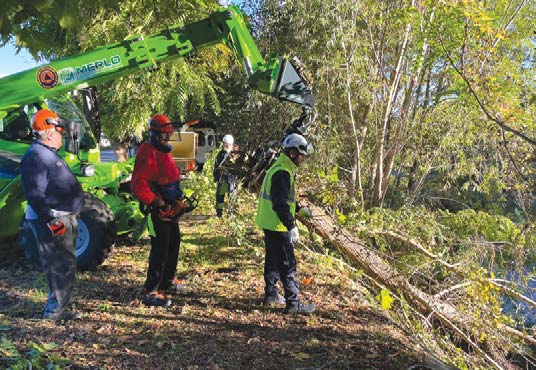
column 375, row 267
column 513, row 293
column 414, row 244
column 454, row 268
column 527, row 338
column 451, row 289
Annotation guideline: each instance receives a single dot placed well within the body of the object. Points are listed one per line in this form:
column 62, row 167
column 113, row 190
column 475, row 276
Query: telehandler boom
column 279, row 77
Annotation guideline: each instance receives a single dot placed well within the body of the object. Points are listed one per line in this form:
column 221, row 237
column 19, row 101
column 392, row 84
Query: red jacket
column 152, row 167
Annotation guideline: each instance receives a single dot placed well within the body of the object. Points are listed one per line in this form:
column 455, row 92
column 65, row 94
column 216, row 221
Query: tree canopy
column 414, row 92
column 183, row 89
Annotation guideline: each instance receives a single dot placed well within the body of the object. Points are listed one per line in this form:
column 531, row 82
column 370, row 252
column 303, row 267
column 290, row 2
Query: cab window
column 16, row 127
column 211, row 140
column 201, row 139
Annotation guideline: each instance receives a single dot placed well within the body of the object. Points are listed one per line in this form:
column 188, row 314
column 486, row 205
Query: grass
column 219, row 323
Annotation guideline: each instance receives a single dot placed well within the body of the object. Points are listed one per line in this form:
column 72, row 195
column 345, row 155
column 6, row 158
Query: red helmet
column 160, row 123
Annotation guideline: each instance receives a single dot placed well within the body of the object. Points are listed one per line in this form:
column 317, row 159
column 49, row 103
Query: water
column 521, row 311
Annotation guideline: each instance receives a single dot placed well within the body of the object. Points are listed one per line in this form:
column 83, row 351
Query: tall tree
column 394, row 101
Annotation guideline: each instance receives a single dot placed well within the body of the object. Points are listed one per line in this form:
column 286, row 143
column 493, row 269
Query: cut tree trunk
column 383, row 273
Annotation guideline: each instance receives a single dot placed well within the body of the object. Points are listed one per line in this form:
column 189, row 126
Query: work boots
column 300, row 308
column 271, row 301
column 67, row 315
column 175, row 287
column 156, row 299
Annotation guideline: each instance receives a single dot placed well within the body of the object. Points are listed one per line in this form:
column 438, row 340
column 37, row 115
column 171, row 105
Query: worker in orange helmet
column 55, row 198
column 156, row 184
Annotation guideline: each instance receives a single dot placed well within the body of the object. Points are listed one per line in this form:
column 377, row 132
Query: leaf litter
column 218, row 323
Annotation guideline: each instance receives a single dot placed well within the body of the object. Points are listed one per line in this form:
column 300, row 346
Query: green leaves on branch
column 396, row 116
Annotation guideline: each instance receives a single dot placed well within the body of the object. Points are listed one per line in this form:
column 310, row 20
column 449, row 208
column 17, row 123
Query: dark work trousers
column 59, row 262
column 280, row 264
column 222, row 188
column 164, row 254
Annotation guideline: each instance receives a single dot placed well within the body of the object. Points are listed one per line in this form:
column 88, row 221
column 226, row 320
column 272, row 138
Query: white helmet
column 297, row 141
column 228, row 139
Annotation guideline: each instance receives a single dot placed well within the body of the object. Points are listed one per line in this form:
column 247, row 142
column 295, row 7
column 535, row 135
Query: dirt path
column 218, row 323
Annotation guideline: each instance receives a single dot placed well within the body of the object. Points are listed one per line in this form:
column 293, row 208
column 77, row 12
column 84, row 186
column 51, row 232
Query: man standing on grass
column 275, row 214
column 55, row 198
column 156, row 184
column 226, row 181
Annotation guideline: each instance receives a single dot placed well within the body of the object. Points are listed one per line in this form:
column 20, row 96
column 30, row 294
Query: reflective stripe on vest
column 266, row 216
column 291, row 193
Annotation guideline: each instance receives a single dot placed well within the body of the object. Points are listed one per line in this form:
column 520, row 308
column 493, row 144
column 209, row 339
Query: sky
column 11, row 63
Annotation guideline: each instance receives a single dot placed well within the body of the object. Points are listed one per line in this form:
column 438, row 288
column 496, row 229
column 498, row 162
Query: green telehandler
column 110, row 209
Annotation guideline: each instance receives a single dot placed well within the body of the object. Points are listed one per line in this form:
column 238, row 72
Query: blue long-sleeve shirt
column 48, row 182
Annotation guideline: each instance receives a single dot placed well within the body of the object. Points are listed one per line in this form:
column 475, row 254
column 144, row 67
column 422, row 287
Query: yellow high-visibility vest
column 266, row 216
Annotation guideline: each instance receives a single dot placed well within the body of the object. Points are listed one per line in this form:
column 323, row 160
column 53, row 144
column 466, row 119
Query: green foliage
column 472, row 224
column 203, row 187
column 325, row 186
column 332, row 177
column 8, row 349
column 474, row 252
column 428, row 140
column 476, row 241
column 38, row 356
column 444, row 230
column 385, row 299
column 182, row 89
column 45, row 26
column 414, row 221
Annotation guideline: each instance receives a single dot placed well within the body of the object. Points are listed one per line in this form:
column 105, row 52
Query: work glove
column 158, row 202
column 172, row 210
column 305, row 213
column 165, row 211
column 178, row 207
column 56, row 227
column 294, row 235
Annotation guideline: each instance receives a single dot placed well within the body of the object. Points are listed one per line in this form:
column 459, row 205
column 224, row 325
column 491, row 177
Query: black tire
column 97, row 233
column 96, row 236
column 29, row 246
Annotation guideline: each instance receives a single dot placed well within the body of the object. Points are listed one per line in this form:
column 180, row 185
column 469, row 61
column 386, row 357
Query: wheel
column 96, row 236
column 96, row 233
column 28, row 244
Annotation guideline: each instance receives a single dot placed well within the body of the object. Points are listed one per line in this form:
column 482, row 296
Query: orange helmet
column 160, row 123
column 45, row 119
